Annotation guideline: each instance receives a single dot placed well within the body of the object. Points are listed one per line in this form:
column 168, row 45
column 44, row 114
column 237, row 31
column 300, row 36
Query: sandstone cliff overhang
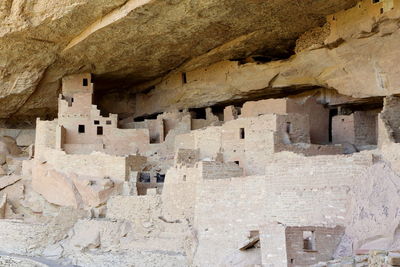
column 127, row 42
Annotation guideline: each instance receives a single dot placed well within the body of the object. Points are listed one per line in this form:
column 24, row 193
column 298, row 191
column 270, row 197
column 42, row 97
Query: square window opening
column 309, row 241
column 85, row 82
column 108, row 122
column 184, row 78
column 99, row 130
column 160, row 178
column 237, row 162
column 242, row 133
column 96, row 122
column 144, row 177
column 81, row 128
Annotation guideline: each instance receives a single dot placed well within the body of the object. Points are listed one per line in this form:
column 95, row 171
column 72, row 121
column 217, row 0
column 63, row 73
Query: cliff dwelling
column 200, row 133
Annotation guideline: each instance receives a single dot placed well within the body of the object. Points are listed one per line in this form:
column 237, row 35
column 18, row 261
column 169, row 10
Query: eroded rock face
column 356, row 60
column 133, row 41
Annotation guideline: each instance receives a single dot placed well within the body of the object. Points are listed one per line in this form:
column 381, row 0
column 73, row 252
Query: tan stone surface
column 57, row 41
column 8, row 180
column 56, row 187
column 85, row 200
column 361, row 59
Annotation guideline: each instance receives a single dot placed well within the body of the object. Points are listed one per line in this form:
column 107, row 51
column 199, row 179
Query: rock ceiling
column 124, row 42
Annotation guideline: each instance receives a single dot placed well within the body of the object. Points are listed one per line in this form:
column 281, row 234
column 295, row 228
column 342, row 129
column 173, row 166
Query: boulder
column 26, row 137
column 71, row 189
column 54, row 186
column 11, row 145
column 94, row 191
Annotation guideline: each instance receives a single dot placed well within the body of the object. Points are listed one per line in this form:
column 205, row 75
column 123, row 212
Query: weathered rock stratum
column 126, row 42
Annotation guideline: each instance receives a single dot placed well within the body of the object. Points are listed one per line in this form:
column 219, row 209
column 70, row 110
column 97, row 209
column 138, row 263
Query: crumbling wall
column 292, row 128
column 210, row 120
column 358, row 128
column 326, row 242
column 45, row 137
column 366, row 128
column 186, row 157
column 250, row 141
column 241, row 141
column 283, row 245
column 390, row 119
column 309, row 104
column 296, row 190
column 231, row 113
column 306, row 104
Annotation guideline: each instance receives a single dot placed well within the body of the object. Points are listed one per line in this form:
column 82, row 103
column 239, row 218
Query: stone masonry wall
column 326, row 241
column 296, row 191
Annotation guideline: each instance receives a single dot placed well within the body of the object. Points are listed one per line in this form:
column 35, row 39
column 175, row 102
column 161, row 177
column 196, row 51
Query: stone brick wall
column 186, row 157
column 211, row 170
column 292, row 128
column 284, row 246
column 318, row 115
column 296, row 190
column 273, row 245
column 359, row 128
column 45, row 136
column 326, row 241
column 225, row 211
column 179, row 192
column 250, row 141
column 343, row 129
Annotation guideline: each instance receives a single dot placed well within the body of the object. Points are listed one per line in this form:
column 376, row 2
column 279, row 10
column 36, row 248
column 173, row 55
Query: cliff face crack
column 107, row 20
